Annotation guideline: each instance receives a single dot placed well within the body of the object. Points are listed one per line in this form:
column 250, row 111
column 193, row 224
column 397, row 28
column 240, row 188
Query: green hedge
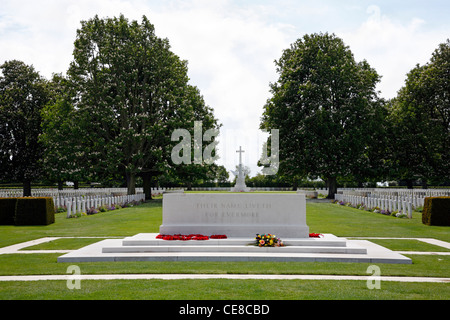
column 436, row 211
column 27, row 211
column 7, row 210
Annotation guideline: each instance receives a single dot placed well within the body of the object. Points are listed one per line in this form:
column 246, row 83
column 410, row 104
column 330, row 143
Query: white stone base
column 145, row 247
column 240, row 189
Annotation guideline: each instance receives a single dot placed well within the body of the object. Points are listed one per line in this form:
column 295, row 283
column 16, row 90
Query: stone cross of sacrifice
column 240, row 151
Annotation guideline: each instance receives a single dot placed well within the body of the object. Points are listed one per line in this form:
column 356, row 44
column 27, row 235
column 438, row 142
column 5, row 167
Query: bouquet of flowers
column 268, row 240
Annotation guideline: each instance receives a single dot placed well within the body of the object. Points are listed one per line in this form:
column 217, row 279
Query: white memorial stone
column 235, row 215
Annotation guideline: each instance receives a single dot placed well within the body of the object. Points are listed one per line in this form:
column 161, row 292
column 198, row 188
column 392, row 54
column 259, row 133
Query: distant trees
column 127, row 93
column 65, row 150
column 23, row 94
column 334, row 126
column 324, row 103
column 420, row 122
column 111, row 117
column 128, row 86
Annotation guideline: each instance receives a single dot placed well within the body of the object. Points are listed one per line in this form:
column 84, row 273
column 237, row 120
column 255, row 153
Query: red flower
column 184, row 237
column 218, row 236
column 199, row 237
column 315, row 235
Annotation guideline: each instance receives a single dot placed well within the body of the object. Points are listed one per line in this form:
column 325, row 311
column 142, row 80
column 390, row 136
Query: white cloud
column 42, row 33
column 230, row 54
column 393, row 48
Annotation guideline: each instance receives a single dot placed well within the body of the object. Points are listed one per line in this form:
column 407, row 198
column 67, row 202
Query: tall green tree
column 324, row 104
column 65, row 152
column 23, row 94
column 420, row 118
column 194, row 111
column 130, row 94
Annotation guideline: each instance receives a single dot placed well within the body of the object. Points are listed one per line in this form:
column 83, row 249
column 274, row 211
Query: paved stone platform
column 146, row 247
column 218, row 276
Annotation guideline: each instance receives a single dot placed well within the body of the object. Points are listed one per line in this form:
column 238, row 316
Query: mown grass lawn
column 321, row 218
column 224, row 289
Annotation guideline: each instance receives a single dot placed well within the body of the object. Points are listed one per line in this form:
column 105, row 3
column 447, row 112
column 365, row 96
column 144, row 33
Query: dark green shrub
column 7, row 211
column 34, row 211
column 436, row 211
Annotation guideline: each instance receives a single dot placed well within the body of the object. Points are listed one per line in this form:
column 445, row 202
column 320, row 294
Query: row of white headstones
column 51, row 192
column 404, row 206
column 403, row 203
column 82, row 204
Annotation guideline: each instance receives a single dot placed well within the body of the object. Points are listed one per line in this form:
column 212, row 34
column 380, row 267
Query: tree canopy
column 324, row 104
column 420, row 119
column 129, row 92
column 23, row 94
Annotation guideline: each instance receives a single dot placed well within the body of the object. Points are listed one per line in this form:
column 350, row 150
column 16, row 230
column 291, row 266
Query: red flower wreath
column 218, row 236
column 315, row 235
column 184, row 237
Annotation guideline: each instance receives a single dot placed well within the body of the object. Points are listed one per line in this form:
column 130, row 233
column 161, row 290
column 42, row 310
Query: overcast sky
column 231, row 45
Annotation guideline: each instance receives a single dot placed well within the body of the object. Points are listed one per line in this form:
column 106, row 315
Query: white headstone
column 409, row 210
column 69, row 209
column 235, row 215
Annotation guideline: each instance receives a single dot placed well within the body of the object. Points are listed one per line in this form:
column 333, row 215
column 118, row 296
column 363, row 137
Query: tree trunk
column 131, row 183
column 409, row 183
column 295, row 185
column 60, row 185
column 424, row 184
column 332, row 187
column 76, row 185
column 147, row 179
column 27, row 188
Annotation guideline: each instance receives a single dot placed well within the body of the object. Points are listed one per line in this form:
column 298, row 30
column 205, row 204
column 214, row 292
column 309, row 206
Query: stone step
column 230, row 242
column 150, row 240
column 96, row 252
column 234, row 249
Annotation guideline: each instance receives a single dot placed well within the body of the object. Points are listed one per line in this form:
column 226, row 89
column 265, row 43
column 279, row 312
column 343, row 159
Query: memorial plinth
column 239, row 216
column 235, row 215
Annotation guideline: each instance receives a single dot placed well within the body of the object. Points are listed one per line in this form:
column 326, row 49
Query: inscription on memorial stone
column 230, row 209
